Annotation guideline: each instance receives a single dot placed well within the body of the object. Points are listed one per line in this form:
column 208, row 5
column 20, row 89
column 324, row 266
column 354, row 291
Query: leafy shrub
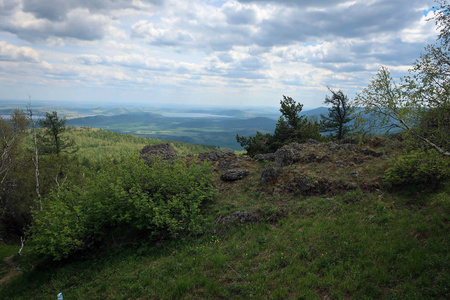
column 162, row 200
column 416, row 168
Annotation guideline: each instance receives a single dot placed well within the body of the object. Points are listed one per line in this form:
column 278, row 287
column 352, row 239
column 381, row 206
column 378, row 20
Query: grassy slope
column 341, row 245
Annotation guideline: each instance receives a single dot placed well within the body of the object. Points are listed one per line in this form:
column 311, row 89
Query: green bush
column 418, row 168
column 162, row 200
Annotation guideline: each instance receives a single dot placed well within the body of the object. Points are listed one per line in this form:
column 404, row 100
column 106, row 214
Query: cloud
column 247, row 46
column 10, row 52
column 8, row 6
column 77, row 25
column 37, row 20
column 57, row 10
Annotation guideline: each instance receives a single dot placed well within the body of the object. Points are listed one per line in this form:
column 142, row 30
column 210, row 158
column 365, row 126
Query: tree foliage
column 430, row 83
column 386, row 103
column 291, row 127
column 389, row 105
column 339, row 115
column 14, row 167
column 53, row 141
column 11, row 131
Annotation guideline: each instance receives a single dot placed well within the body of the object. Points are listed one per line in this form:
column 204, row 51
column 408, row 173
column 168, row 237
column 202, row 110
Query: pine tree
column 339, row 115
column 54, row 127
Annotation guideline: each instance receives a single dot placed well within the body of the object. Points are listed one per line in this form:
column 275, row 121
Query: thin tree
column 339, row 115
column 54, row 127
column 35, row 157
column 389, row 106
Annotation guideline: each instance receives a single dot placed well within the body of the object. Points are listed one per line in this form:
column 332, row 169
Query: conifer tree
column 54, row 127
column 339, row 115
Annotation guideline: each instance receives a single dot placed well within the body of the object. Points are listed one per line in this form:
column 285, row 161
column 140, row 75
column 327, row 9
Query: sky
column 205, row 52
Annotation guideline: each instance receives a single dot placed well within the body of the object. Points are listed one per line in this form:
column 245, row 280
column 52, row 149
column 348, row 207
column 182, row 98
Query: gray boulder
column 234, row 174
column 312, row 142
column 159, row 151
column 266, row 156
column 217, row 155
column 288, row 154
column 270, row 175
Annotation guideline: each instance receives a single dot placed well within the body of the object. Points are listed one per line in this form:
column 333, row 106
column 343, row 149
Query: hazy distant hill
column 217, row 131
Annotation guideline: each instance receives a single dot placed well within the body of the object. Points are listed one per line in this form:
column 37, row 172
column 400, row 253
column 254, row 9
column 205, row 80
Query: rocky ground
column 307, row 169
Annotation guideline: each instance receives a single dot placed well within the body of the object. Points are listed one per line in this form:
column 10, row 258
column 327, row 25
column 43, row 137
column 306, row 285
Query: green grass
column 359, row 246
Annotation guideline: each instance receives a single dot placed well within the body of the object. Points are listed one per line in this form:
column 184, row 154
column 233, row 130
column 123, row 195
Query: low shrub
column 162, row 200
column 418, row 167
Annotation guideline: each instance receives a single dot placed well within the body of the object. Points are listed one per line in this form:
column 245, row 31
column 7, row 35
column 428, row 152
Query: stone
column 234, row 174
column 265, row 157
column 216, row 155
column 161, row 151
column 270, row 175
column 308, row 186
column 333, row 147
column 354, row 174
column 288, row 154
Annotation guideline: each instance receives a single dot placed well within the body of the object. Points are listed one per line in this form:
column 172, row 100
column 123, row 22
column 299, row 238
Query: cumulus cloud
column 36, row 20
column 77, row 25
column 10, row 52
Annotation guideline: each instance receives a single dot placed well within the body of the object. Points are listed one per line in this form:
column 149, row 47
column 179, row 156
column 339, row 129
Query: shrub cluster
column 161, row 200
column 418, row 167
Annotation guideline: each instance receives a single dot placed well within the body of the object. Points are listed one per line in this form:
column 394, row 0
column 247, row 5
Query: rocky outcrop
column 222, row 159
column 265, row 157
column 288, row 154
column 333, row 147
column 159, row 151
column 270, row 175
column 217, row 155
column 307, row 186
column 234, row 174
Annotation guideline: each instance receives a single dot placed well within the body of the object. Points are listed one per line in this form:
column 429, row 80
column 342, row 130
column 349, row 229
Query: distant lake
column 192, row 115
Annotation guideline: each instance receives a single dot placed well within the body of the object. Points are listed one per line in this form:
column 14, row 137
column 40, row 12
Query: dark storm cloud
column 8, row 6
